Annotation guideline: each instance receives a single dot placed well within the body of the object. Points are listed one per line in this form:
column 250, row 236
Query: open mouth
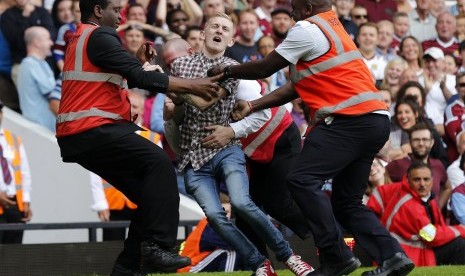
column 217, row 39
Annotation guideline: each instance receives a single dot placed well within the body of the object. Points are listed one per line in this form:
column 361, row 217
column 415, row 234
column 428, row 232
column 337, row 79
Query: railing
column 92, row 227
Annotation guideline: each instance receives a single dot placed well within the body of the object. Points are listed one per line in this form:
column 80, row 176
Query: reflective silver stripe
column 378, row 199
column 324, row 65
column 93, row 76
column 80, row 49
column 411, row 243
column 106, row 185
column 93, row 112
column 275, row 121
column 456, row 232
column 354, row 100
column 335, row 38
column 399, row 204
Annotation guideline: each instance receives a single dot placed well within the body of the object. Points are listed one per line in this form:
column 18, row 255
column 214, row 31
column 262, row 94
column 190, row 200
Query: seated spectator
column 177, row 22
column 207, row 251
column 451, row 65
column 410, row 214
column 457, row 202
column 421, row 142
column 378, row 10
column 281, row 22
column 36, row 79
column 392, row 74
column 406, row 114
column 445, row 40
column 422, row 21
column 62, row 13
column 194, row 38
column 440, row 87
column 63, row 35
column 378, row 177
column 386, row 36
column 437, row 7
column 343, row 8
column 367, row 39
column 401, row 29
column 359, row 15
column 454, row 172
column 454, row 118
column 460, row 29
column 410, row 49
column 415, row 90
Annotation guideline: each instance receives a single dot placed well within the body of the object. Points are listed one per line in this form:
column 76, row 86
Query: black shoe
column 157, row 259
column 399, row 265
column 343, row 268
column 119, row 270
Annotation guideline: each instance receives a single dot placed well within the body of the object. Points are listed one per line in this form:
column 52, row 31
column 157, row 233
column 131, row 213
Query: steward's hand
column 152, row 67
column 220, row 137
column 168, row 109
column 216, row 70
column 207, row 88
column 146, row 52
column 241, row 109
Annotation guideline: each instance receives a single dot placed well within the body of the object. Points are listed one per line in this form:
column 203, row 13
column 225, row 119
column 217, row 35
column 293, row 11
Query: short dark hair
column 190, row 29
column 419, row 126
column 403, row 89
column 87, row 7
column 170, row 14
column 278, row 11
column 418, row 164
column 134, row 5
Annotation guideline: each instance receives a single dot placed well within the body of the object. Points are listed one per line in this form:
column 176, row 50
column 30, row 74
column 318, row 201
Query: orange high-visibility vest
column 14, row 142
column 116, row 199
column 338, row 82
column 91, row 96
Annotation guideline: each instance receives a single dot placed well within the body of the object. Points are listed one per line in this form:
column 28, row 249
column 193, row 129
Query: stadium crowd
column 415, row 51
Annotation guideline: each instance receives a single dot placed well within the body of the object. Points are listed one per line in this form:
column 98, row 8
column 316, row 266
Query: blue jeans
column 228, row 166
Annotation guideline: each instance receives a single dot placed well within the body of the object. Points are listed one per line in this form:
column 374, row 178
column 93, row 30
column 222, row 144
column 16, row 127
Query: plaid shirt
column 193, row 128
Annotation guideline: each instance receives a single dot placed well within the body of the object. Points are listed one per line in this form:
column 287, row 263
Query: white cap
column 434, row 52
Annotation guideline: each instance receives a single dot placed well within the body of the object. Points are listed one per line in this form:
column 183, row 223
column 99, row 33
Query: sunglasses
column 361, row 16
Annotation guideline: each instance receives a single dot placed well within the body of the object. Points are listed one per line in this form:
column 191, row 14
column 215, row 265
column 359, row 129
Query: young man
column 204, row 165
column 95, row 130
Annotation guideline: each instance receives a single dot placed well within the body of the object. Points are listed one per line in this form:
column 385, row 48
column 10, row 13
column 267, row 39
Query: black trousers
column 118, row 234
column 268, row 188
column 143, row 172
column 11, row 215
column 343, row 151
column 452, row 253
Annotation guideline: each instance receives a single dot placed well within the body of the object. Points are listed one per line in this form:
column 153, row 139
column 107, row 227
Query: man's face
column 461, row 6
column 212, row 7
column 423, row 5
column 137, row 104
column 460, row 86
column 248, row 25
column 44, row 43
column 434, row 66
column 359, row 16
column 386, row 33
column 138, row 14
column 218, row 35
column 421, row 143
column 343, row 7
column 421, row 181
column 194, row 38
column 446, row 26
column 111, row 15
column 178, row 23
column 281, row 23
column 401, row 26
column 367, row 38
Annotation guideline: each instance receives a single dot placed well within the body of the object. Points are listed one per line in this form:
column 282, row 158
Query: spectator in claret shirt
column 378, row 9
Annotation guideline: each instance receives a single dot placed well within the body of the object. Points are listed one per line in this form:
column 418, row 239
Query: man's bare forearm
column 280, row 96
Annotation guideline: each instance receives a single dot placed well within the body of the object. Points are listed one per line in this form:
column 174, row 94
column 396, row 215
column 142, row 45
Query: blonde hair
column 396, row 61
column 221, row 15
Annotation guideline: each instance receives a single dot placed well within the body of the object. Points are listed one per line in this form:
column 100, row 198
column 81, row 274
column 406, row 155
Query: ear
column 202, row 34
column 98, row 11
column 191, row 51
column 231, row 42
